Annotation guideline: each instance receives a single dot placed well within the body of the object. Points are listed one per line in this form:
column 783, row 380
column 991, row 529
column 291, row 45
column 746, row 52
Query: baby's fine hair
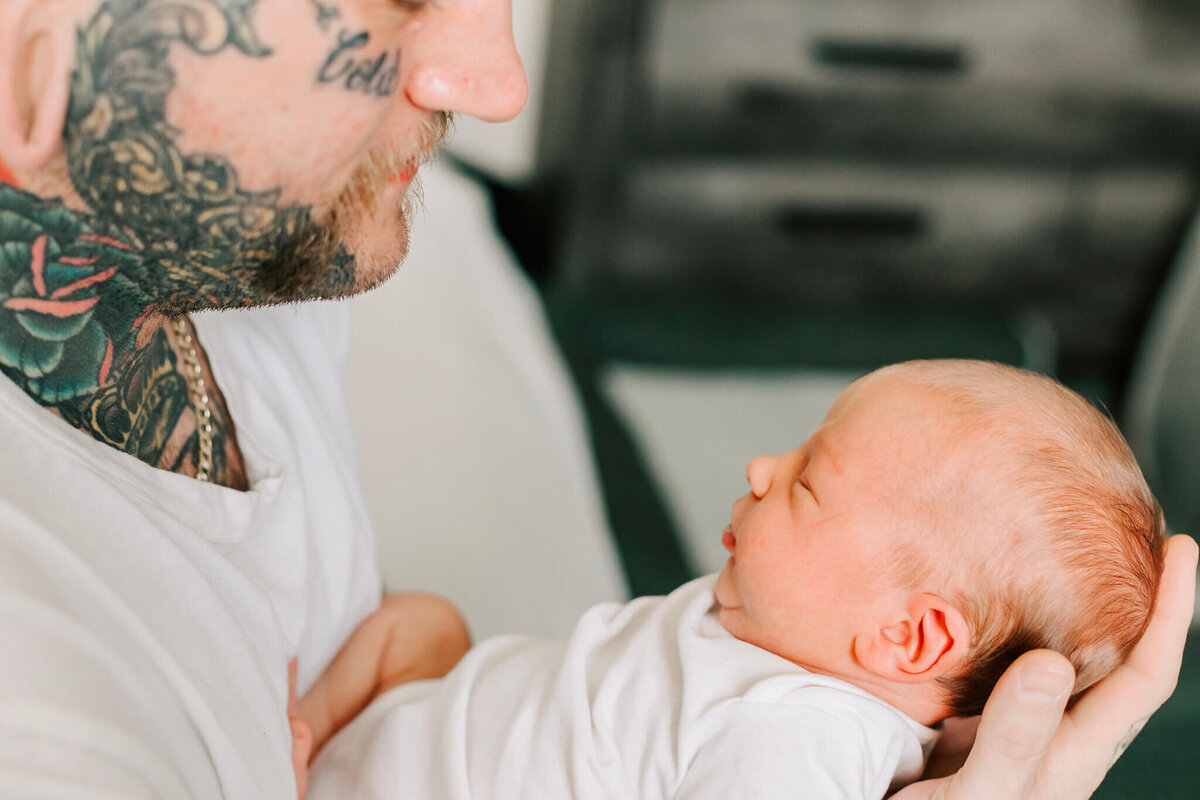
column 1082, row 536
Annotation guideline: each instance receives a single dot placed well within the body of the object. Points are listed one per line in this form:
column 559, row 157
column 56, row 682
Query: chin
column 726, row 587
column 379, row 247
column 374, row 266
column 731, row 620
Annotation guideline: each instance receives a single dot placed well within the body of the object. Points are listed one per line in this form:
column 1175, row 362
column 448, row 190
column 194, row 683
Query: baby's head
column 946, row 517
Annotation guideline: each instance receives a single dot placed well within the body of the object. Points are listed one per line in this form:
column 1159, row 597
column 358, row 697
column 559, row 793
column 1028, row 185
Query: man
column 180, row 514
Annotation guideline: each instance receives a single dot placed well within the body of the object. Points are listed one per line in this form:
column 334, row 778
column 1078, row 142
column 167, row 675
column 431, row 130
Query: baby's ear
column 927, row 640
column 37, row 50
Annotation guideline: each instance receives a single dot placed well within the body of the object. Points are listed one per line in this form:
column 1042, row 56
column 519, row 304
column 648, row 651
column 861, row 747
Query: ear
column 929, row 639
column 37, row 49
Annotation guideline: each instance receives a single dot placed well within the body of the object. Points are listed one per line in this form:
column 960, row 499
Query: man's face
column 273, row 143
column 812, row 543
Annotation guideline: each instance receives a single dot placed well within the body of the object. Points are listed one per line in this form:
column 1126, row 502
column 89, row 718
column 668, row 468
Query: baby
column 945, row 517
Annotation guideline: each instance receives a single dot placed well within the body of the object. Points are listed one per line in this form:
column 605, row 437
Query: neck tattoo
column 83, row 294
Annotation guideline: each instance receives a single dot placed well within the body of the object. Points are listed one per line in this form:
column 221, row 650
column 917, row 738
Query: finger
column 1159, row 653
column 1017, row 728
column 1105, row 721
column 302, row 741
column 1017, row 746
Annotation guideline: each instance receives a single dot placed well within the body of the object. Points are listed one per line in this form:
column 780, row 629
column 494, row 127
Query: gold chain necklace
column 198, row 395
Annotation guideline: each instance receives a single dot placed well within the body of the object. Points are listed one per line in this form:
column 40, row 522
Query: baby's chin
column 726, row 588
column 726, row 617
column 729, row 608
column 737, row 625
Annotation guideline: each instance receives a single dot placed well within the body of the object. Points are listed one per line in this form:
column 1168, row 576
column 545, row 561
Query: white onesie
column 650, row 699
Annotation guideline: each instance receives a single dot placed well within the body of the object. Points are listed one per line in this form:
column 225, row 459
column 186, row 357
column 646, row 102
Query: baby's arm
column 411, row 637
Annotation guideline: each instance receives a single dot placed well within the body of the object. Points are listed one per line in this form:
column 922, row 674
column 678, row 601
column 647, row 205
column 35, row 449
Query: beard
column 312, row 263
column 205, row 242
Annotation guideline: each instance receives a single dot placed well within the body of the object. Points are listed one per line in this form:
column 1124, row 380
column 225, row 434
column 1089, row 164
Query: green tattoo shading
column 59, row 332
column 168, row 233
column 138, row 414
column 211, row 244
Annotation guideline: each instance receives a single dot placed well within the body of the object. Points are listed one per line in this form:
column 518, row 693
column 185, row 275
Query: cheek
column 270, row 117
column 769, row 575
column 796, row 574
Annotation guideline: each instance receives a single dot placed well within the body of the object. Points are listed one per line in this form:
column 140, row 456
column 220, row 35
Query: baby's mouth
column 728, row 539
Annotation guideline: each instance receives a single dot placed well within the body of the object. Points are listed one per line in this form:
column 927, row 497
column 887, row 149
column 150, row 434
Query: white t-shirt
column 146, row 619
column 650, row 699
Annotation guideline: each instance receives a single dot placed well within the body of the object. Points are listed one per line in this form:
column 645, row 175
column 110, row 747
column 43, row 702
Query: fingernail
column 1043, row 685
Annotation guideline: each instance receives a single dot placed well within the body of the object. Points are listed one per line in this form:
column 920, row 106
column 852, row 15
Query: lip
column 728, row 540
column 406, row 173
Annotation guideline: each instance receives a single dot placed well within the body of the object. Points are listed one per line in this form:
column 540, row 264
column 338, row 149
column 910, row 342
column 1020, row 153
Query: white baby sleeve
column 767, row 751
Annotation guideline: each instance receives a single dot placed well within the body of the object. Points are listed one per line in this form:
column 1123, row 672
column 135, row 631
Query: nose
column 463, row 59
column 759, row 473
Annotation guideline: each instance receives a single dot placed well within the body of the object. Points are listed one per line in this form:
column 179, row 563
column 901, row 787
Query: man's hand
column 1027, row 749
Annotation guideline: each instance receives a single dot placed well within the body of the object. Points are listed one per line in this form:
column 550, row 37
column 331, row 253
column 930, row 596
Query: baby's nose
column 758, row 474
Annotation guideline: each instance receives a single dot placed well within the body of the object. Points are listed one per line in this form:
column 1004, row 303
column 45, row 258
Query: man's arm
column 1028, row 748
column 410, row 637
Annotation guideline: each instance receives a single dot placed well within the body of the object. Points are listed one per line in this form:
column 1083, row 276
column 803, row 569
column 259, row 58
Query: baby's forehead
column 901, row 417
column 934, row 415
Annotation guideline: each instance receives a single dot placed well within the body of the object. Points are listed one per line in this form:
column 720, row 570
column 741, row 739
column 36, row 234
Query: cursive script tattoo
column 168, row 233
column 375, row 75
column 1123, row 745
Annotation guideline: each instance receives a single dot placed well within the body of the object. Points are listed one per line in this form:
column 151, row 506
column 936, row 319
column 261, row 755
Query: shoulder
column 816, row 745
column 802, row 730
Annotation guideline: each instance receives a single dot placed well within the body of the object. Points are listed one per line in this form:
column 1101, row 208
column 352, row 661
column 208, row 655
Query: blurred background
column 713, row 216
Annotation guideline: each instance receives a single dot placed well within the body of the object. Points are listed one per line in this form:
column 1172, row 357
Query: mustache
column 314, row 263
column 377, row 167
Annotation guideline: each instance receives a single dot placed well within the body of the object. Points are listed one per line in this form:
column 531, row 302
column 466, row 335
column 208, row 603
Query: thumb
column 1018, row 724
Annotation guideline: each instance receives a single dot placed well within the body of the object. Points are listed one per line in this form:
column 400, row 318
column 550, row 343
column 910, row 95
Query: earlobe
column 928, row 641
column 36, row 53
